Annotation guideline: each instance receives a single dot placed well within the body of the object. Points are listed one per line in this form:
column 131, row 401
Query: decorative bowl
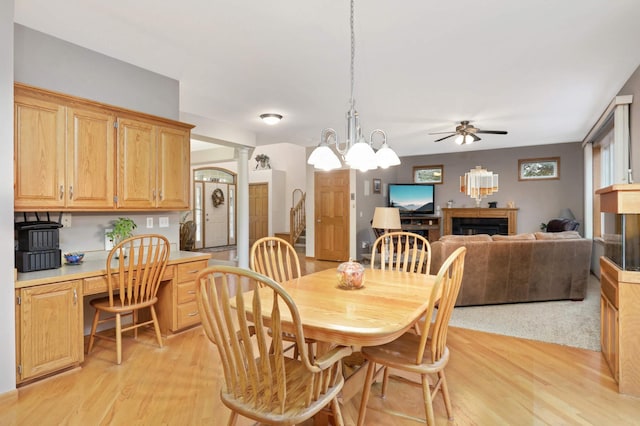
column 350, row 275
column 74, row 257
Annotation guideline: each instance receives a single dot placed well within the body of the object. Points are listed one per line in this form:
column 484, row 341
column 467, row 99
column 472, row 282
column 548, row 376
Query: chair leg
column 445, row 394
column 232, row 419
column 428, row 404
column 94, row 326
column 134, row 317
column 385, row 382
column 337, row 414
column 156, row 326
column 366, row 390
column 118, row 338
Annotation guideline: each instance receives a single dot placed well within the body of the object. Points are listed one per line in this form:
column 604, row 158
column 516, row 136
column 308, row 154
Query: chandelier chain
column 353, row 54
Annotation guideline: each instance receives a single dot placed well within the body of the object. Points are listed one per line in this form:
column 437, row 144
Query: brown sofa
column 519, row 268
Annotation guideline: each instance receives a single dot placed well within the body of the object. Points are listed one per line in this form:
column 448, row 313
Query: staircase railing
column 297, row 216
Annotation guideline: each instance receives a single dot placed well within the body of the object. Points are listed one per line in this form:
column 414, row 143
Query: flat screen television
column 412, row 198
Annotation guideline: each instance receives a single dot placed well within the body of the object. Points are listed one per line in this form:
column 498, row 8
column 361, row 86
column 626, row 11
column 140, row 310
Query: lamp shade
column 386, row 218
column 361, row 156
column 386, row 157
column 324, row 158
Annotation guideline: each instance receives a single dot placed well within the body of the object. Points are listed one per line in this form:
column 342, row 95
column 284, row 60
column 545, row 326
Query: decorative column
column 242, row 243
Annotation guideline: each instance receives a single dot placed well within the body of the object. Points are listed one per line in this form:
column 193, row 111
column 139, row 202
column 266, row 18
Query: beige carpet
column 567, row 322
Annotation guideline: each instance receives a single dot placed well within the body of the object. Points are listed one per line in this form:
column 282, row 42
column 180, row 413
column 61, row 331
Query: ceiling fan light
column 324, row 158
column 460, row 139
column 468, row 139
column 361, row 156
column 386, row 157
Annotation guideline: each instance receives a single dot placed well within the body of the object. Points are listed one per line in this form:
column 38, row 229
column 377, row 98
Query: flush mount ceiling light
column 271, row 118
column 356, row 152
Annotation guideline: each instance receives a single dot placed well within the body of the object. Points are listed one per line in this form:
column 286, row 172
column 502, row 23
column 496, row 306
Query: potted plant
column 122, row 229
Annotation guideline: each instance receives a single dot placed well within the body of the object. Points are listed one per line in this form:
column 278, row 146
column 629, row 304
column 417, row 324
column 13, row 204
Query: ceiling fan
column 467, row 133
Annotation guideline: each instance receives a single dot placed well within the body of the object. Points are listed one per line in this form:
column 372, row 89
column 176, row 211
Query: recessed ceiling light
column 271, row 118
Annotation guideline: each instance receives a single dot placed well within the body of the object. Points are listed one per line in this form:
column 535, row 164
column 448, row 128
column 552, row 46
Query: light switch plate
column 164, row 222
column 108, row 244
column 149, row 222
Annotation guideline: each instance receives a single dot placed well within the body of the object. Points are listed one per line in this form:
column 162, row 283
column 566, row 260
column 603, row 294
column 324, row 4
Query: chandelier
column 478, row 183
column 356, row 152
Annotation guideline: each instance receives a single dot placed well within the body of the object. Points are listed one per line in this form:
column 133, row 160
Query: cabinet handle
column 193, row 271
column 193, row 314
column 191, row 292
column 161, row 197
column 75, row 297
column 61, row 191
column 71, row 192
column 154, row 194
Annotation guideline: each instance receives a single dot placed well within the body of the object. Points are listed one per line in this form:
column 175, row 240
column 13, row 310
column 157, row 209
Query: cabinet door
column 609, row 335
column 50, row 330
column 136, row 164
column 38, row 153
column 90, row 159
column 173, row 168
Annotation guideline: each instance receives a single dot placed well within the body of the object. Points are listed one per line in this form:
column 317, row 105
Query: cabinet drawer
column 186, row 292
column 188, row 314
column 169, row 273
column 95, row 285
column 609, row 287
column 188, row 271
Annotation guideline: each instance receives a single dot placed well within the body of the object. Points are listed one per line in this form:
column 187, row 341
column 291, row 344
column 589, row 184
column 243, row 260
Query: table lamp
column 386, row 218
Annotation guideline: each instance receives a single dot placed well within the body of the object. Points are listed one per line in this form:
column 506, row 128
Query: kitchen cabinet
column 178, row 308
column 48, row 329
column 153, row 166
column 75, row 154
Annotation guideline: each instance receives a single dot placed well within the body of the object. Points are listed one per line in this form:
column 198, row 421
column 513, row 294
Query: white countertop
column 91, row 267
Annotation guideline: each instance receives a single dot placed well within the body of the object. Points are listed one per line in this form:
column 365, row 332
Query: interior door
column 332, row 215
column 258, row 211
column 216, row 228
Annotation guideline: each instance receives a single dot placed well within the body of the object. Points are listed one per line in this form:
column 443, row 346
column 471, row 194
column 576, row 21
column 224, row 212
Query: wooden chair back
column 447, row 287
column 135, row 267
column 275, row 258
column 260, row 382
column 402, row 251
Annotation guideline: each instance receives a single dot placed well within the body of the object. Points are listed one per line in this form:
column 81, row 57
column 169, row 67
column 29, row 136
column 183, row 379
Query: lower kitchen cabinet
column 178, row 308
column 48, row 329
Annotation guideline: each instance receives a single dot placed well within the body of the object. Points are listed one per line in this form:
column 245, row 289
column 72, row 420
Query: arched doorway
column 214, row 207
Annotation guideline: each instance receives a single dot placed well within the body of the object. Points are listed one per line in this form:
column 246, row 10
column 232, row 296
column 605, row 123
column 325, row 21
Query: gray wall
column 7, row 312
column 538, row 201
column 48, row 62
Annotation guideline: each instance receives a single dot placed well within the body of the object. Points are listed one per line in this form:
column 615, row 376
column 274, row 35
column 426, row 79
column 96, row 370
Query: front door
column 332, row 215
column 216, row 214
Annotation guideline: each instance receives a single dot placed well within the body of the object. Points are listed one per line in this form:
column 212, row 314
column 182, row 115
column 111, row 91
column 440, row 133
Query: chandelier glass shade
column 479, row 183
column 357, row 152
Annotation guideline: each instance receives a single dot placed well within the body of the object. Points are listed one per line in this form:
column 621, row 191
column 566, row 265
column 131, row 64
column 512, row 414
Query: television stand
column 426, row 225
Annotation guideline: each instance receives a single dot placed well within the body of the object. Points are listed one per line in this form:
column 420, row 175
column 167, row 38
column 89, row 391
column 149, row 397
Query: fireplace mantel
column 511, row 214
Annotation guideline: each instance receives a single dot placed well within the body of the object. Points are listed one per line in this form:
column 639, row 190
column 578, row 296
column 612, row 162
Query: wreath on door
column 218, row 197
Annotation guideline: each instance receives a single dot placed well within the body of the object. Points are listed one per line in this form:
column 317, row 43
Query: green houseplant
column 122, row 229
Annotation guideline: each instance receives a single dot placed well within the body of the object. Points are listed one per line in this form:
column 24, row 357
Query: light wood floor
column 493, row 380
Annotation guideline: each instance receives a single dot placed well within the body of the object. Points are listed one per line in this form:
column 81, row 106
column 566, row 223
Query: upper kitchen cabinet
column 153, row 166
column 76, row 154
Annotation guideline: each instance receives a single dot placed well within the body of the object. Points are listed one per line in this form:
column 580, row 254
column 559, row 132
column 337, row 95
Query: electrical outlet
column 108, row 244
column 164, row 222
column 149, row 222
column 66, row 220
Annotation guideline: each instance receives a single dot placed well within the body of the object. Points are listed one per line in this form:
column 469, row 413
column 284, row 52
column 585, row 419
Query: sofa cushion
column 564, row 235
column 559, row 225
column 466, row 238
column 526, row 236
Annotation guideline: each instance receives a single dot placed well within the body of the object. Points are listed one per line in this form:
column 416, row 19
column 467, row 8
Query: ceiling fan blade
column 446, row 137
column 475, row 138
column 493, row 132
column 438, row 133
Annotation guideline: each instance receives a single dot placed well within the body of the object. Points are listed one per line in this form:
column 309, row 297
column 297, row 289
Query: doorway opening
column 214, row 208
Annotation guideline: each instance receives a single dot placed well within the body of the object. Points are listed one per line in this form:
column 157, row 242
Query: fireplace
column 480, row 225
column 469, row 221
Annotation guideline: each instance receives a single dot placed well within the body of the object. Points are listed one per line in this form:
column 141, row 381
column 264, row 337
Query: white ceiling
column 542, row 69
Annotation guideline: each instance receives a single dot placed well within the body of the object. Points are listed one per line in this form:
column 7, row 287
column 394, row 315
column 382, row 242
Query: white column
column 242, row 243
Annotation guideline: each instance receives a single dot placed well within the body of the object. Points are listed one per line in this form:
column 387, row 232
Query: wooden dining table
column 383, row 309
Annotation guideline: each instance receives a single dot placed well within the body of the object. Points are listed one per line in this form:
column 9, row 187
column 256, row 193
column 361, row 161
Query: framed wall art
column 428, row 174
column 539, row 168
column 377, row 186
